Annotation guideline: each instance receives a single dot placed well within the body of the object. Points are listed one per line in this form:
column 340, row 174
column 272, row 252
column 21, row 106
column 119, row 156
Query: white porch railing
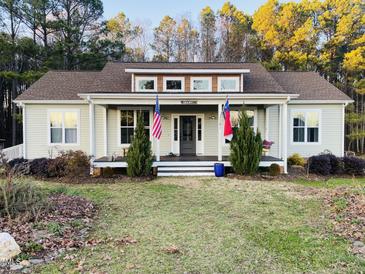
column 13, row 152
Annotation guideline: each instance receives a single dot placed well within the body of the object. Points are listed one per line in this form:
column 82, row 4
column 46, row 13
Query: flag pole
column 157, row 150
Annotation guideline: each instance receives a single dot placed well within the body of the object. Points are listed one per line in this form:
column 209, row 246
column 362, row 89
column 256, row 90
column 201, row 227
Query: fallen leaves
column 347, row 213
column 63, row 227
column 171, row 249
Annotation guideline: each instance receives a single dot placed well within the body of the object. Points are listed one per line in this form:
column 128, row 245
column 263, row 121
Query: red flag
column 228, row 131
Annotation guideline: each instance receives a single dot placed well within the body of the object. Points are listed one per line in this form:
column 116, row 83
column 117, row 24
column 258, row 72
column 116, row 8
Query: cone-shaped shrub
column 139, row 157
column 246, row 147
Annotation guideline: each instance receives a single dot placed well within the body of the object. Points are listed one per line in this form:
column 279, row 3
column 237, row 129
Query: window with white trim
column 146, row 83
column 235, row 119
column 128, row 123
column 228, row 83
column 173, row 84
column 305, row 126
column 201, row 84
column 63, row 126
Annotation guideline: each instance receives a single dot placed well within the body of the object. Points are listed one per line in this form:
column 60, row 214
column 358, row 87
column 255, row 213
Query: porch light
column 212, row 117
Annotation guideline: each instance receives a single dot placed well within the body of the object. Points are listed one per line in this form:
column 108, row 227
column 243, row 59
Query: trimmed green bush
column 274, row 170
column 296, row 160
column 139, row 157
column 246, row 147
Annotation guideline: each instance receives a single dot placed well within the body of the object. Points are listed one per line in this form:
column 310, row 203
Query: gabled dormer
column 187, row 80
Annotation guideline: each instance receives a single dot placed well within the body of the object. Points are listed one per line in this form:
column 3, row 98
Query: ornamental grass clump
column 246, row 147
column 139, row 157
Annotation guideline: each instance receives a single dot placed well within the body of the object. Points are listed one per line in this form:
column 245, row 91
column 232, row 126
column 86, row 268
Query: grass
column 217, row 225
column 333, row 182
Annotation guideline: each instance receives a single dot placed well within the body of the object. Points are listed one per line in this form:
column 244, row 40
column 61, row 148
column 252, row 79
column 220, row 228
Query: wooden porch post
column 220, row 158
column 284, row 134
column 91, row 133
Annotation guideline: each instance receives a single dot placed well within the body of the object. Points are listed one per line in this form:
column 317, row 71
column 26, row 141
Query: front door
column 187, row 135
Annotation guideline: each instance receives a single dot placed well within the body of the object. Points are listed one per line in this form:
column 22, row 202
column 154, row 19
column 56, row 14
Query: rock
column 298, row 170
column 25, row 263
column 8, row 247
column 36, row 261
column 358, row 244
column 16, row 267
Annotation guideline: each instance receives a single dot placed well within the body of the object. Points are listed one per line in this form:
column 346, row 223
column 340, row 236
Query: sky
column 150, row 12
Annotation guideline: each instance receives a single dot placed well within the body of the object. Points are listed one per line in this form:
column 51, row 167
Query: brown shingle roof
column 65, row 85
column 309, row 86
column 59, row 85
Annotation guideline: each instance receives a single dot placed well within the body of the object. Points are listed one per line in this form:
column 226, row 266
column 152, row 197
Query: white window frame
column 135, row 111
column 305, row 112
column 237, row 86
column 182, row 79
column 192, row 79
column 147, row 78
column 63, row 111
column 254, row 127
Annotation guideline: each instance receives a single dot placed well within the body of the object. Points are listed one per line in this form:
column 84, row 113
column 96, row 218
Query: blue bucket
column 219, row 170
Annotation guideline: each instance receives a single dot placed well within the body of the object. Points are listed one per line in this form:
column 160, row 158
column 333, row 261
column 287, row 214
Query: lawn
column 208, row 225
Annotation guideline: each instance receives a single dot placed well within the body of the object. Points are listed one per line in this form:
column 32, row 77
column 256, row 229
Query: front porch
column 193, row 126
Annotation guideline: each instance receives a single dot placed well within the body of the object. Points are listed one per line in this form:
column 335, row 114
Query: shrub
column 336, row 164
column 320, row 164
column 69, row 164
column 139, row 157
column 296, row 160
column 19, row 197
column 16, row 161
column 39, row 167
column 78, row 163
column 274, row 170
column 245, row 147
column 354, row 165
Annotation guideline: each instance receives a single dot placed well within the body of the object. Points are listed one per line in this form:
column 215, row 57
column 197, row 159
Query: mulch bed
column 64, row 226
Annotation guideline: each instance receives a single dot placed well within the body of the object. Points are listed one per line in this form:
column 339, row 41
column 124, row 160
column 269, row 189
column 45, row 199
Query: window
column 176, row 129
column 228, row 83
column 199, row 129
column 201, row 84
column 126, row 126
column 128, row 123
column 63, row 127
column 146, row 83
column 235, row 117
column 173, row 84
column 305, row 126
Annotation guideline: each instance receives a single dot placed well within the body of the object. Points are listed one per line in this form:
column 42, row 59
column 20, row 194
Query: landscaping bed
column 62, row 226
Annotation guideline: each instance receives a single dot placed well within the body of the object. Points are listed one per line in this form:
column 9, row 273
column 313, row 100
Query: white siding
column 331, row 128
column 274, row 127
column 211, row 133
column 37, row 134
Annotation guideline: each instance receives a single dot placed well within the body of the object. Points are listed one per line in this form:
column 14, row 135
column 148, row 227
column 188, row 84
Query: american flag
column 156, row 127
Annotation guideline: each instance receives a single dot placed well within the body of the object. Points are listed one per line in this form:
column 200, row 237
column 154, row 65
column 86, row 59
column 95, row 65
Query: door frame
column 175, row 144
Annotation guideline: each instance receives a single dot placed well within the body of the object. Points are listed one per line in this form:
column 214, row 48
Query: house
column 96, row 112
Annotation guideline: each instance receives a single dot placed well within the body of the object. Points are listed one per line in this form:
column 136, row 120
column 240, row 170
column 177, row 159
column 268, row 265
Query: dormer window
column 201, row 84
column 146, row 83
column 228, row 84
column 173, row 84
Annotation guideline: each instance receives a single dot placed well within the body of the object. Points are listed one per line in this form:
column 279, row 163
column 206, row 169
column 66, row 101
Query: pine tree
column 139, row 157
column 246, row 147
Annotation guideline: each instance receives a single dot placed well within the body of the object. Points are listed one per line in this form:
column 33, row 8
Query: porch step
column 179, row 170
column 186, row 168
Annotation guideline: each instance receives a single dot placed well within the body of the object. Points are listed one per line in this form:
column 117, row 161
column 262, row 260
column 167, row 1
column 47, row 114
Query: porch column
column 106, row 130
column 284, row 135
column 92, row 130
column 220, row 158
column 24, row 132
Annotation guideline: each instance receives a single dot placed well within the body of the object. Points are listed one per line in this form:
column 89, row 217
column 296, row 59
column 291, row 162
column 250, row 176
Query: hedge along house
column 96, row 112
